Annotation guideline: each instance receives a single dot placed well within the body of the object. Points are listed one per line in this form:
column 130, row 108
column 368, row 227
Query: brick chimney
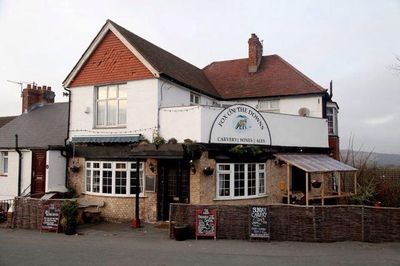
column 255, row 53
column 33, row 96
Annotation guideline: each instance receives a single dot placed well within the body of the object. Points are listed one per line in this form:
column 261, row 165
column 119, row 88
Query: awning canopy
column 107, row 139
column 165, row 151
column 314, row 163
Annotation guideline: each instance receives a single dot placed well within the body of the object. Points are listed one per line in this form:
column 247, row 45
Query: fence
column 299, row 223
column 28, row 212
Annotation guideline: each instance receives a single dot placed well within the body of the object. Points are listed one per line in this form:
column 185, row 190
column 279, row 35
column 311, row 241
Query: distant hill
column 381, row 159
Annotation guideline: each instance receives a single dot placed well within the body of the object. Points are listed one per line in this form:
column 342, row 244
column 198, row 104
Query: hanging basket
column 316, row 184
column 208, row 171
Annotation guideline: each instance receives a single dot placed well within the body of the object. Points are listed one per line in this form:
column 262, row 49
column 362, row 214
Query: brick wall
column 111, row 62
column 299, row 223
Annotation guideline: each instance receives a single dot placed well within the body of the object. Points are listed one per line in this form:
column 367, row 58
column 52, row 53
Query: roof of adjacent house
column 6, row 119
column 223, row 80
column 274, row 77
column 40, row 128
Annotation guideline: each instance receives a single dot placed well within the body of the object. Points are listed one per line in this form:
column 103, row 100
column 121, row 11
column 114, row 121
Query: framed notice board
column 51, row 218
column 206, row 223
column 259, row 222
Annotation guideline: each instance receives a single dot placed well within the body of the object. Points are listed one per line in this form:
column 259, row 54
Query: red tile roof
column 275, row 77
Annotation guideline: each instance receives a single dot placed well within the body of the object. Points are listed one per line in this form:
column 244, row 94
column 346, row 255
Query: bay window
column 240, row 180
column 113, row 178
column 111, row 106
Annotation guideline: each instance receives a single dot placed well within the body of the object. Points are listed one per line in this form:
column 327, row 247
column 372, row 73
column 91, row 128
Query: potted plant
column 180, row 232
column 69, row 210
column 316, row 183
column 207, row 171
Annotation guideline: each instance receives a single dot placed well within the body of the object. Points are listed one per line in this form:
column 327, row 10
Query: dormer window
column 111, row 106
column 268, row 106
column 194, row 99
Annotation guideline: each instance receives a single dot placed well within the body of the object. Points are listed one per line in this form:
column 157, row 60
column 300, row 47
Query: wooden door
column 38, row 184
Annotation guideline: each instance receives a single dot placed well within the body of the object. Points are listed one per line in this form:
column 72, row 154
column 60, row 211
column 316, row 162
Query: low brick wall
column 299, row 223
column 28, row 212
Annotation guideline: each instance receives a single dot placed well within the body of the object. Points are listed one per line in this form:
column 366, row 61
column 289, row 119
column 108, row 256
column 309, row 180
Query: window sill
column 110, row 127
column 112, row 195
column 241, row 198
column 4, row 175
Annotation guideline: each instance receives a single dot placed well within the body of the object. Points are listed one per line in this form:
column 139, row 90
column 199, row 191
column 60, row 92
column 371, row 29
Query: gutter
column 66, row 139
column 19, row 164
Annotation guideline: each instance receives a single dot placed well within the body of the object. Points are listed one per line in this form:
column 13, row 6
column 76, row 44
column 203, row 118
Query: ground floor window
column 240, row 180
column 114, row 178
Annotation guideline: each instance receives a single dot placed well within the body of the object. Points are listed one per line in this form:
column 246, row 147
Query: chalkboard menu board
column 206, row 223
column 51, row 217
column 259, row 226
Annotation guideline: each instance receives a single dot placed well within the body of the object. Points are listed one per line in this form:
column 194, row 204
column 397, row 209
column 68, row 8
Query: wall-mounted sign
column 150, row 183
column 51, row 218
column 240, row 124
column 259, row 224
column 206, row 223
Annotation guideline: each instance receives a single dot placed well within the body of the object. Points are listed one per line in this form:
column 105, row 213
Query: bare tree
column 396, row 66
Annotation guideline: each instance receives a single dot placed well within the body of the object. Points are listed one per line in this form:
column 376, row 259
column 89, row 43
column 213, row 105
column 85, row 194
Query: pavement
column 118, row 244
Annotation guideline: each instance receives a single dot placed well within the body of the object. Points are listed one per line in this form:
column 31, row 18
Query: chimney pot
column 29, row 86
column 49, row 88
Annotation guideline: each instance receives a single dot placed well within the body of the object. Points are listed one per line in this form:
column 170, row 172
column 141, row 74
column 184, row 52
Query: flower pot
column 180, row 232
column 70, row 229
column 316, row 184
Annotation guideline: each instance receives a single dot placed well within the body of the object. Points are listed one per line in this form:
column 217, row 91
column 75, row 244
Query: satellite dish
column 304, row 111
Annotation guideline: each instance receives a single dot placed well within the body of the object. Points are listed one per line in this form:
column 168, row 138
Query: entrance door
column 38, row 184
column 173, row 185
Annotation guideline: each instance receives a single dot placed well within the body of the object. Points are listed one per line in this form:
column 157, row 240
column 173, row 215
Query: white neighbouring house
column 32, row 152
column 228, row 127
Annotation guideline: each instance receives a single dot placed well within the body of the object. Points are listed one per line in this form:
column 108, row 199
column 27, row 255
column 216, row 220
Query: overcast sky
column 354, row 43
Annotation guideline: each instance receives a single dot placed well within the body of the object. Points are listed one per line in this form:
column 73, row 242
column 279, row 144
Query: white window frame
column 231, row 172
column 89, row 166
column 106, row 100
column 4, row 155
column 268, row 105
column 334, row 123
column 195, row 99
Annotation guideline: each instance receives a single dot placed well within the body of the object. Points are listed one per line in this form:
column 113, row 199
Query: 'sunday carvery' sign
column 240, row 124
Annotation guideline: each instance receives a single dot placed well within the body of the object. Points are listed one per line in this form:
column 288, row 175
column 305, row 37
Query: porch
column 316, row 178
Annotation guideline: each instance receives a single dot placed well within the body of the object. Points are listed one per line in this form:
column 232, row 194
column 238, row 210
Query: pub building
column 253, row 130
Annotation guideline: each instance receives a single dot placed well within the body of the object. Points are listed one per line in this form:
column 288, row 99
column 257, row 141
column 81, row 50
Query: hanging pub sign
column 259, row 224
column 240, row 124
column 51, row 218
column 206, row 223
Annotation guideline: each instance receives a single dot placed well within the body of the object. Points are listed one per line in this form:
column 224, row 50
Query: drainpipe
column 19, row 164
column 68, row 93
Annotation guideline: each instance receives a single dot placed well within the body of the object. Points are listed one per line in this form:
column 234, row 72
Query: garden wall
column 299, row 223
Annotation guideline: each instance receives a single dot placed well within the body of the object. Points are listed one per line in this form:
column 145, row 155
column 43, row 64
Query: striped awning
column 107, row 139
column 314, row 163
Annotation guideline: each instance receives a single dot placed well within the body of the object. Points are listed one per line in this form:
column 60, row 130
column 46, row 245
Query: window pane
column 122, row 93
column 101, row 113
column 107, row 182
column 261, row 181
column 107, row 165
column 133, row 179
column 224, row 167
column 96, row 165
column 112, row 112
column 239, row 180
column 96, row 181
column 112, row 92
column 120, row 182
column 102, row 93
column 120, row 165
column 5, row 165
column 224, row 185
column 88, row 165
column 251, row 179
column 274, row 104
column 122, row 112
column 88, row 180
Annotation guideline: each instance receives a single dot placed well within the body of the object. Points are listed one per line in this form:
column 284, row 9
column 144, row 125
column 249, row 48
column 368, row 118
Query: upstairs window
column 268, row 106
column 110, row 106
column 4, row 162
column 194, row 99
column 331, row 115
